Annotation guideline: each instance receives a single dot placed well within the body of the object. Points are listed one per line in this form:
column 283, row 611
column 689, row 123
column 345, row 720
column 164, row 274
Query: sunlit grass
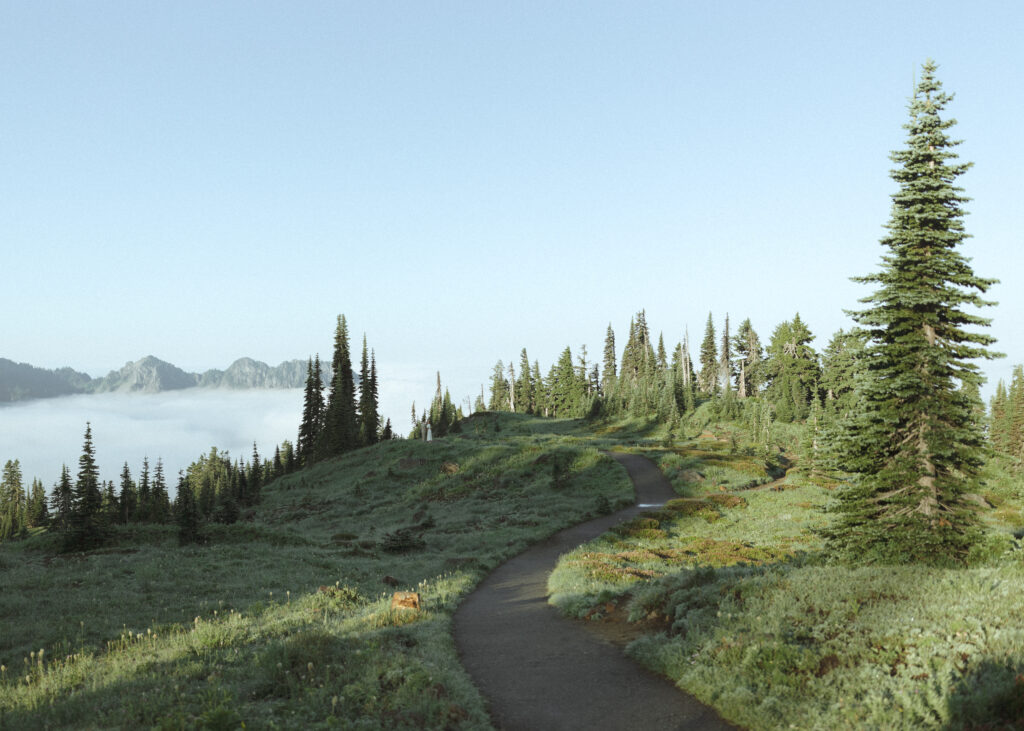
column 284, row 618
column 755, row 624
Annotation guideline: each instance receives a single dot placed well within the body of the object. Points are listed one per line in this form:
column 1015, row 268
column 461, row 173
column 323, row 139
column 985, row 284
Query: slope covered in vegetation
column 284, row 617
column 738, row 604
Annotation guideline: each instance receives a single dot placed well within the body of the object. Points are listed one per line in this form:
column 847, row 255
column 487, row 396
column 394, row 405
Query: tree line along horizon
column 890, row 408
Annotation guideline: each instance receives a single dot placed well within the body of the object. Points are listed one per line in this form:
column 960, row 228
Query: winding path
column 541, row 671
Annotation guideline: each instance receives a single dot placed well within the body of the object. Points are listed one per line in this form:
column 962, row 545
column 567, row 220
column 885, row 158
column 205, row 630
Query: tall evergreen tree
column 792, row 370
column 309, row 426
column 12, row 501
column 341, row 428
column 499, row 389
column 159, row 499
column 129, row 498
column 87, row 525
column 62, row 503
column 608, row 372
column 524, row 386
column 369, row 419
column 747, row 348
column 186, row 512
column 915, row 444
column 708, row 376
column 372, row 417
column 999, row 430
column 38, row 515
column 145, row 509
column 725, row 358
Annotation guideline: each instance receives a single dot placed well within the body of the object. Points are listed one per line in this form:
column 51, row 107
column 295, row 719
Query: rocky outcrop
column 249, row 373
column 148, row 375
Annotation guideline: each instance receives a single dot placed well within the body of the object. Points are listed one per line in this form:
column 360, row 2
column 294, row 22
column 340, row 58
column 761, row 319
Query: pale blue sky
column 205, row 180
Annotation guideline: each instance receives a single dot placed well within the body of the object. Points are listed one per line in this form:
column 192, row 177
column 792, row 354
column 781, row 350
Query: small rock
column 405, row 600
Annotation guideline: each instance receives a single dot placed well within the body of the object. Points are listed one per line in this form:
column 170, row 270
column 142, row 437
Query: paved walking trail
column 540, row 671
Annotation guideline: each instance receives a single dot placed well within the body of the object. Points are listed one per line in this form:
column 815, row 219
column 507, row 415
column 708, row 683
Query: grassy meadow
column 283, row 619
column 739, row 608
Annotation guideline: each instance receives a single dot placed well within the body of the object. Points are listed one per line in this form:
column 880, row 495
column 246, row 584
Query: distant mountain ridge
column 21, row 381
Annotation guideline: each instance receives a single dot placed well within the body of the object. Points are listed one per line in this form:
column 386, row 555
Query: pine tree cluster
column 342, row 421
column 1006, row 423
column 83, row 511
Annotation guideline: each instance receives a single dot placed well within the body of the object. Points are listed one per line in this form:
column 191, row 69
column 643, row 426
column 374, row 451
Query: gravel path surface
column 541, row 671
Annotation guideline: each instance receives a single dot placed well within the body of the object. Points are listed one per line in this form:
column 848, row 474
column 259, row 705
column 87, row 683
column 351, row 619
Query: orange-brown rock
column 405, row 600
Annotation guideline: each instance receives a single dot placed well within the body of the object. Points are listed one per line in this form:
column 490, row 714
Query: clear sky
column 206, row 180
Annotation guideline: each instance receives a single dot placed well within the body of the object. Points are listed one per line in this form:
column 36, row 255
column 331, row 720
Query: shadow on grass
column 989, row 696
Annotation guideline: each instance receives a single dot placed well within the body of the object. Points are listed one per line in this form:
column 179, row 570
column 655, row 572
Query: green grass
column 284, row 620
column 754, row 623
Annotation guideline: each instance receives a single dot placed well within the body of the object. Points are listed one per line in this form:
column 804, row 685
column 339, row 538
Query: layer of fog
column 176, row 426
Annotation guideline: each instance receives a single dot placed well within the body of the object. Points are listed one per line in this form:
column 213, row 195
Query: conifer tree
column 1015, row 414
column 111, row 504
column 372, row 417
column 129, row 498
column 62, row 502
column 12, row 501
column 38, row 515
column 499, row 389
column 539, row 390
column 277, row 466
column 160, row 501
column 747, row 347
column 186, row 512
column 307, row 426
column 608, row 372
column 87, row 528
column 708, row 377
column 662, row 354
column 341, row 428
column 369, row 420
column 842, row 364
column 686, row 361
column 145, row 511
column 914, row 443
column 255, row 477
column 792, row 370
column 525, row 387
column 725, row 358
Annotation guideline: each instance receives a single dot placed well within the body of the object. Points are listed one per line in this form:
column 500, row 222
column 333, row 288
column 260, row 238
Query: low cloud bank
column 175, row 426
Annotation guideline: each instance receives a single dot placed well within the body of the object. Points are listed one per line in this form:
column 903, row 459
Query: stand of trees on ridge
column 893, row 405
column 215, row 488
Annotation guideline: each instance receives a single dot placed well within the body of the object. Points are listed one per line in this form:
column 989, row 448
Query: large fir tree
column 62, row 502
column 12, row 501
column 608, row 373
column 708, row 376
column 87, row 524
column 915, row 442
column 341, row 429
column 369, row 418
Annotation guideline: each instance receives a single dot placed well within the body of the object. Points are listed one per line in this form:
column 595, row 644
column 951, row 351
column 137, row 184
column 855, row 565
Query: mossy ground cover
column 741, row 611
column 283, row 619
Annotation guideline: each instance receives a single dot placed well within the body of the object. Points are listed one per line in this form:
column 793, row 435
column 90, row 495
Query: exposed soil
column 540, row 671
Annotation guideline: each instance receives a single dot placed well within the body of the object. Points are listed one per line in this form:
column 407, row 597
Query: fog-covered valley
column 176, row 426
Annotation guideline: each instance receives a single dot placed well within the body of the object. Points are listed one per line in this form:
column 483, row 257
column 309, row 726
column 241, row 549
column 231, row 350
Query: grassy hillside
column 283, row 620
column 740, row 610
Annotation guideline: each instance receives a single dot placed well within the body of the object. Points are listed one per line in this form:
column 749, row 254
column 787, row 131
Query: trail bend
column 540, row 671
